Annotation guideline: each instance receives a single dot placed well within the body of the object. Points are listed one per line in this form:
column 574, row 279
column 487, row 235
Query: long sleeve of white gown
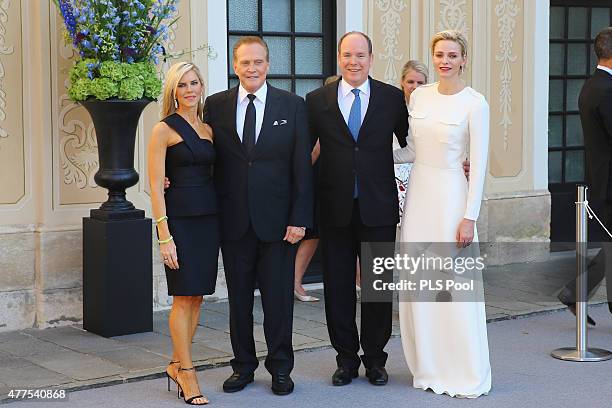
column 407, row 153
column 479, row 152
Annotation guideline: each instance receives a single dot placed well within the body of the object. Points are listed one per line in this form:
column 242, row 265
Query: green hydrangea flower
column 131, row 88
column 133, row 70
column 149, row 69
column 81, row 70
column 79, row 90
column 111, row 79
column 103, row 88
column 153, row 86
column 112, row 70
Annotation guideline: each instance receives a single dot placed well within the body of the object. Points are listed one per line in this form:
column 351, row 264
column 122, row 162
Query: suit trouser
column 340, row 247
column 598, row 268
column 271, row 265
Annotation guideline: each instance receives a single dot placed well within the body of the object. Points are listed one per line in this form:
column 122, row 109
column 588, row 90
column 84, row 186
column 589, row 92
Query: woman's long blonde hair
column 174, row 75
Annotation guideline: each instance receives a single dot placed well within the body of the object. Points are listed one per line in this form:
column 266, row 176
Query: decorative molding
column 4, row 50
column 506, row 11
column 391, row 21
column 78, row 148
column 453, row 16
column 172, row 35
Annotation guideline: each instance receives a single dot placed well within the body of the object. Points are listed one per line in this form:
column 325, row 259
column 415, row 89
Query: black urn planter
column 116, row 121
column 117, row 250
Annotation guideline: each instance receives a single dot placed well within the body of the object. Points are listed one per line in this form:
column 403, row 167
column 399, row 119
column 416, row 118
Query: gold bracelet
column 160, row 219
column 165, row 241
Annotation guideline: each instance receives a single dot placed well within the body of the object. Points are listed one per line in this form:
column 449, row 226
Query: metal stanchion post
column 581, row 352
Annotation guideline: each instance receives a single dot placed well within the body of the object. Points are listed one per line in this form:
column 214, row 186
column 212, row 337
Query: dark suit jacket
column 272, row 188
column 370, row 158
column 595, row 105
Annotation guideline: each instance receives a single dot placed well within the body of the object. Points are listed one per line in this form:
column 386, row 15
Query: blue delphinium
column 65, row 7
column 118, row 31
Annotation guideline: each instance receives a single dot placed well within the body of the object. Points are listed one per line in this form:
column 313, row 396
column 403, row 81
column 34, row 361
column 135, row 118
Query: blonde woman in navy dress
column 181, row 149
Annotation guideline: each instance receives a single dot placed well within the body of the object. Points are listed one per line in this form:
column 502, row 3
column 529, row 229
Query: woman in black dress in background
column 181, row 148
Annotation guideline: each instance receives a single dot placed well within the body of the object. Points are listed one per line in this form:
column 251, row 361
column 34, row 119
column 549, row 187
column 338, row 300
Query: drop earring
column 175, row 103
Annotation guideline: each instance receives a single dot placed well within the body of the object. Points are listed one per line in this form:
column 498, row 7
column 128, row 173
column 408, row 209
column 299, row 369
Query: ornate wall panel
column 455, row 15
column 12, row 160
column 506, row 97
column 390, row 32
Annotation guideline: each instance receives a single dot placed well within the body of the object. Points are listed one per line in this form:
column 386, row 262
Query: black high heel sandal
column 182, row 394
column 169, row 377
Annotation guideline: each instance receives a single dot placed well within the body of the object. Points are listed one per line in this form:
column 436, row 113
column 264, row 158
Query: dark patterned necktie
column 248, row 132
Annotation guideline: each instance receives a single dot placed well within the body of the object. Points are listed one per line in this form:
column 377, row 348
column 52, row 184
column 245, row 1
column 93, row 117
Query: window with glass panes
column 573, row 27
column 299, row 34
column 572, row 61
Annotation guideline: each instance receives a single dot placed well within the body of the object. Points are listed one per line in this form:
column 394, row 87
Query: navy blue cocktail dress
column 191, row 207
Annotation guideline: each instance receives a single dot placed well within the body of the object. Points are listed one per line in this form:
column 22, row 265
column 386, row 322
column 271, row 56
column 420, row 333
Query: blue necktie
column 354, row 123
column 354, row 120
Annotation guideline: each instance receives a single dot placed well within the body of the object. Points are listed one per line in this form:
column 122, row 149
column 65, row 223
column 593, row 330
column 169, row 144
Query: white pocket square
column 280, row 122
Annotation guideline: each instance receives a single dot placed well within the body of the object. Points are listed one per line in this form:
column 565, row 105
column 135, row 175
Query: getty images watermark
column 406, row 264
column 441, row 272
column 422, row 272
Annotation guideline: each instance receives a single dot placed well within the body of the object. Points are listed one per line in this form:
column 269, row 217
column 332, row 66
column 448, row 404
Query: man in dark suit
column 595, row 104
column 355, row 119
column 263, row 178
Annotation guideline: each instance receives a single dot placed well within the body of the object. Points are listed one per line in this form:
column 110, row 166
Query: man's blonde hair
column 250, row 39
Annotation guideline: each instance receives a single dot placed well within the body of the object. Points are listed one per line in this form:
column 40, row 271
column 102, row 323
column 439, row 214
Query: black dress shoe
column 572, row 308
column 237, row 381
column 377, row 375
column 282, row 384
column 344, row 376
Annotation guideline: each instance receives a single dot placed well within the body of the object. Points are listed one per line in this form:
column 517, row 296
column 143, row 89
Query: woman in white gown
column 445, row 343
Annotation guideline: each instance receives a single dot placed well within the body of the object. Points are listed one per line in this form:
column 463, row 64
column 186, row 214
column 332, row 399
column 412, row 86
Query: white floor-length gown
column 445, row 344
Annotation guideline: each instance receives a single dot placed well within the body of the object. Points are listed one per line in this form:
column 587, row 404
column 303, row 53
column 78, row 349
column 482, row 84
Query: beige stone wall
column 495, row 30
column 506, row 61
column 499, row 66
column 48, row 150
column 389, row 27
column 12, row 154
column 48, row 157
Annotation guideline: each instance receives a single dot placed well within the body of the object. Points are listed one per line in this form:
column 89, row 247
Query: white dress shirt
column 260, row 107
column 608, row 70
column 346, row 98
